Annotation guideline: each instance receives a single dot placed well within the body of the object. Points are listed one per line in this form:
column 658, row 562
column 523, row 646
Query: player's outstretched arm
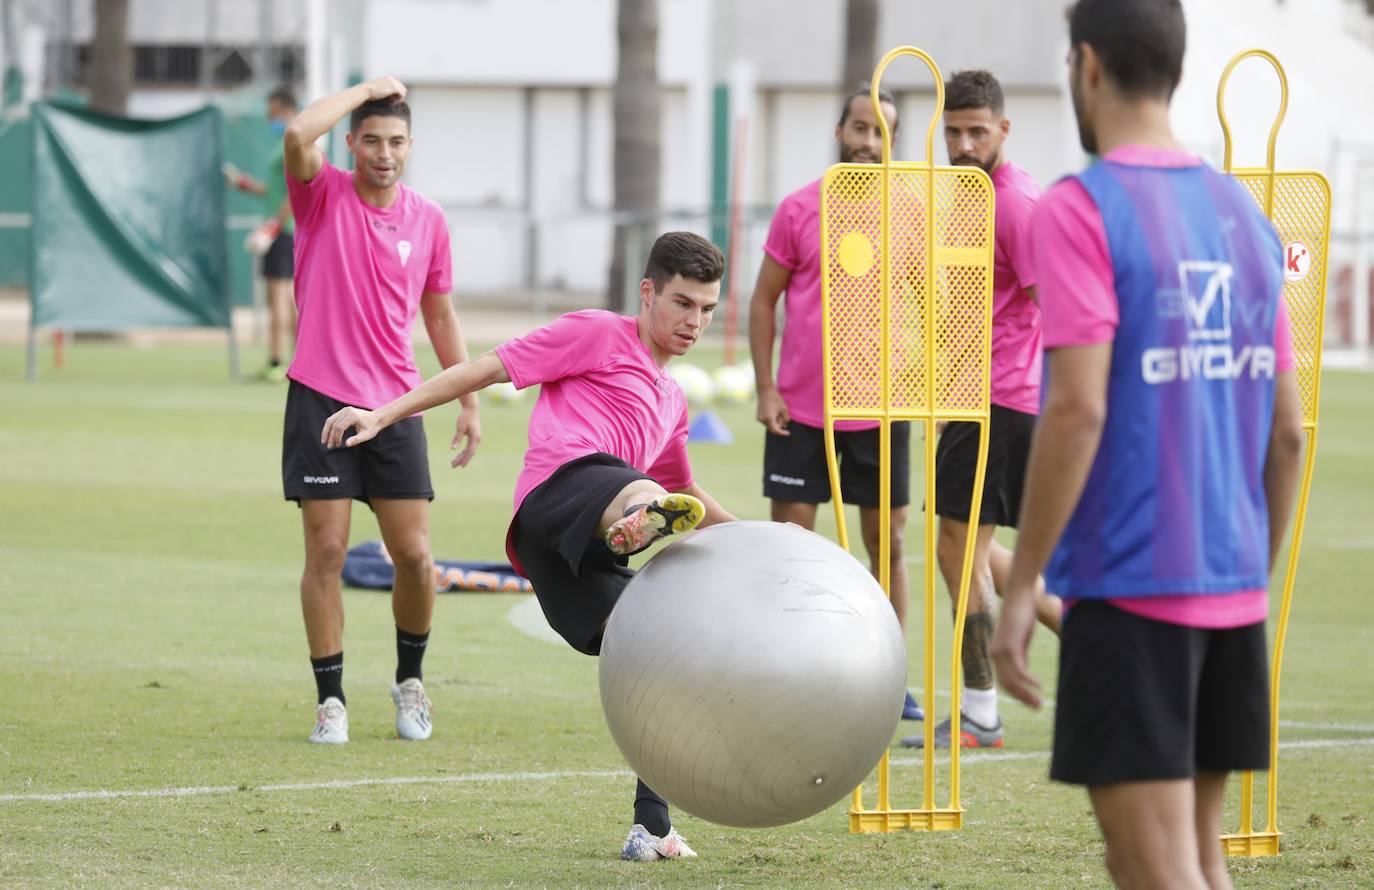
column 303, row 158
column 715, row 513
column 449, row 384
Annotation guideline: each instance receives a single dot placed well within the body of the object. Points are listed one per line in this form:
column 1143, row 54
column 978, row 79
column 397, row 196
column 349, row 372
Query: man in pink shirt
column 975, row 132
column 795, row 477
column 1163, row 471
column 607, row 442
column 370, row 254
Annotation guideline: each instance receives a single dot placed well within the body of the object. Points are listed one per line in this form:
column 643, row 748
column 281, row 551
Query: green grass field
column 154, row 681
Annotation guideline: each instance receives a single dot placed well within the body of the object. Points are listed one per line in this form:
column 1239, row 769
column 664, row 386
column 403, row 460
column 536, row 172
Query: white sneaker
column 641, row 846
column 331, row 723
column 412, row 710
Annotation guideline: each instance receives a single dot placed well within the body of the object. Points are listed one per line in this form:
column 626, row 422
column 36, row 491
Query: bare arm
column 303, row 158
column 236, row 178
column 283, row 212
column 1283, row 462
column 441, row 323
column 715, row 513
column 1061, row 457
column 445, row 335
column 449, row 384
column 763, row 328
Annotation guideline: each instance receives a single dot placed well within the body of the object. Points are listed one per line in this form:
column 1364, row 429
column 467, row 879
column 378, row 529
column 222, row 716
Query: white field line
column 971, row 757
column 1328, row 727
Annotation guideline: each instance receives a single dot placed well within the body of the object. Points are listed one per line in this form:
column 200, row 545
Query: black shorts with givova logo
column 393, row 465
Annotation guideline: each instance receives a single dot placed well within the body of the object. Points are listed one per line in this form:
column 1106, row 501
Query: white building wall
column 512, row 100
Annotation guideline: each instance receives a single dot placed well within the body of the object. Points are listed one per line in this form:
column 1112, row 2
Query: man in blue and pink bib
column 1162, row 473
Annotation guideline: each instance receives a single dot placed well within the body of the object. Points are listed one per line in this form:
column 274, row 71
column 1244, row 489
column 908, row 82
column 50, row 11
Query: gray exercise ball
column 753, row 673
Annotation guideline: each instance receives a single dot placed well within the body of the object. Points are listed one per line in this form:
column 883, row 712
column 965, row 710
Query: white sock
column 980, row 706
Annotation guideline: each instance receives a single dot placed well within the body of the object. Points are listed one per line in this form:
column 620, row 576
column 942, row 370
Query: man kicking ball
column 607, row 445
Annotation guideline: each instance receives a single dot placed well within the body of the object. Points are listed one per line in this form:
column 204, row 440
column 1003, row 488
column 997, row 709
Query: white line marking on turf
column 528, row 618
column 992, row 756
column 1331, row 727
column 1349, row 544
column 203, row 790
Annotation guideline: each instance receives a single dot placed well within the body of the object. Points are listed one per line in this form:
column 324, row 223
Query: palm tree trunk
column 111, row 70
column 637, row 154
column 860, row 43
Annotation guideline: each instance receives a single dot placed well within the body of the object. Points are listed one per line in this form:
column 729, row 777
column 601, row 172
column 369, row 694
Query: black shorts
column 280, row 259
column 794, row 466
column 1142, row 700
column 393, row 465
column 956, row 463
column 575, row 575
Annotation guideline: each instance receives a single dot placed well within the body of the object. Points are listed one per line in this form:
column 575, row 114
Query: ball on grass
column 503, row 393
column 734, row 384
column 695, row 382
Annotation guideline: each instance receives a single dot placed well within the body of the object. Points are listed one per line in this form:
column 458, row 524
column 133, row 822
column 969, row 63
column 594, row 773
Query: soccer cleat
column 641, row 846
column 273, row 373
column 412, row 710
column 911, row 710
column 971, row 735
column 331, row 723
column 646, row 523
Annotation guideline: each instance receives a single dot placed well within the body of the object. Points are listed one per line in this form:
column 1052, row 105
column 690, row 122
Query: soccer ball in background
column 695, row 382
column 735, row 383
column 503, row 393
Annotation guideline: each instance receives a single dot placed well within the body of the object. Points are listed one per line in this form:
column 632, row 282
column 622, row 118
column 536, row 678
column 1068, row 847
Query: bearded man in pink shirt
column 792, row 405
column 976, row 128
column 370, row 253
column 607, row 443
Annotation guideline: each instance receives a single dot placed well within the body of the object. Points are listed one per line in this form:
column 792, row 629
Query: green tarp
column 128, row 221
column 15, row 157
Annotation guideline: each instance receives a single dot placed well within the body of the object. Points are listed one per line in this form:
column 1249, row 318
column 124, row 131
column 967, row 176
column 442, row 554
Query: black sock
column 329, row 677
column 410, row 651
column 274, row 363
column 651, row 811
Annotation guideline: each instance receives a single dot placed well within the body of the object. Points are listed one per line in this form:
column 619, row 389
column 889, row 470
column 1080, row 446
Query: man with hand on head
column 370, row 254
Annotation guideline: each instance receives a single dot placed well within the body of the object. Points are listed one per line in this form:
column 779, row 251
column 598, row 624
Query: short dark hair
column 971, row 90
column 1140, row 42
column 283, row 96
column 387, row 107
column 867, row 92
column 686, row 254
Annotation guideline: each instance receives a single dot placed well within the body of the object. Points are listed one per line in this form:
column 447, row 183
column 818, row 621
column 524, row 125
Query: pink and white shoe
column 646, row 523
column 331, row 723
column 641, row 846
column 412, row 710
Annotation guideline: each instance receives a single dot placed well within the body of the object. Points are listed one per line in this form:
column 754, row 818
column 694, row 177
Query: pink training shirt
column 794, row 242
column 1016, row 345
column 1078, row 298
column 360, row 273
column 602, row 392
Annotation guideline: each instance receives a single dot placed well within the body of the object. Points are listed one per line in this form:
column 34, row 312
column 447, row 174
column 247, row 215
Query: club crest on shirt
column 403, row 248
